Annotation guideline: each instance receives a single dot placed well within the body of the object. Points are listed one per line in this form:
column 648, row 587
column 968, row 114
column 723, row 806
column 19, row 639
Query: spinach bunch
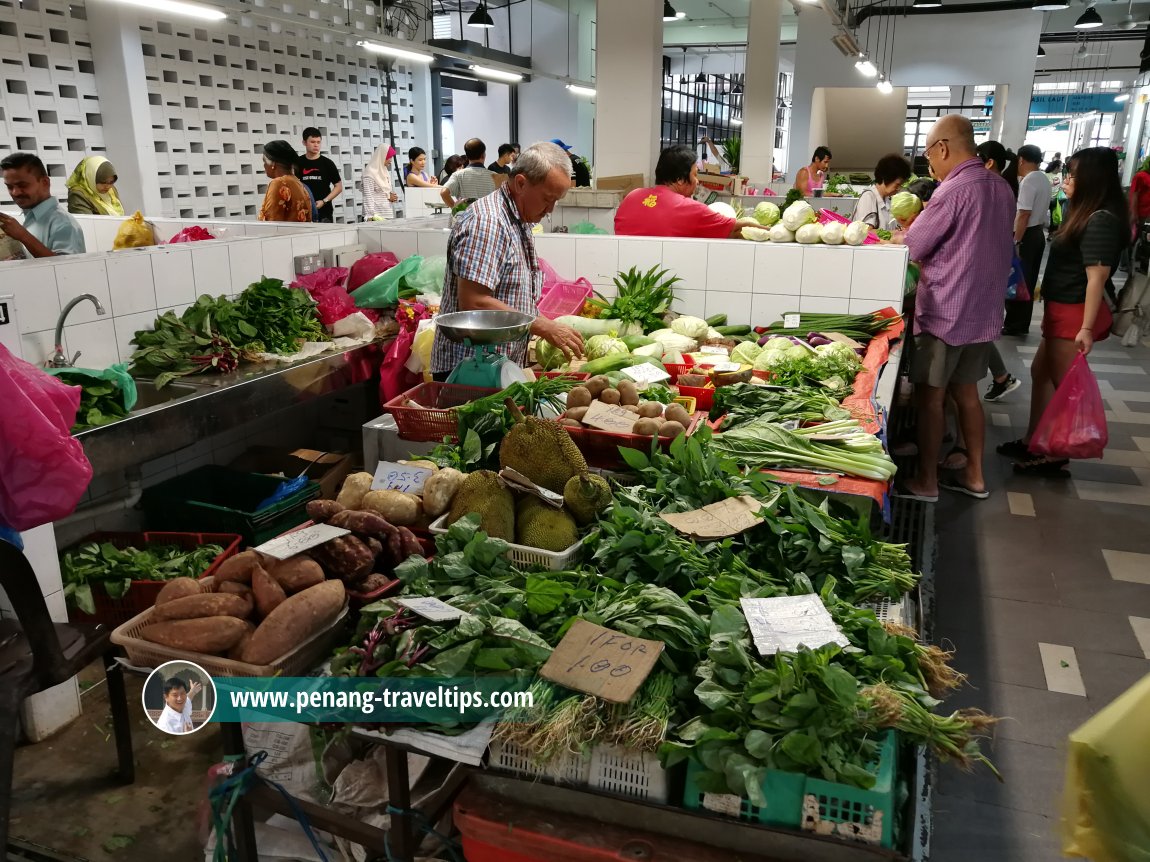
column 115, row 569
column 272, row 317
column 743, row 402
column 172, row 348
column 101, row 401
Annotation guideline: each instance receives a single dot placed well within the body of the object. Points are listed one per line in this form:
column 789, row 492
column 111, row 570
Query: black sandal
column 1014, row 449
column 1040, row 465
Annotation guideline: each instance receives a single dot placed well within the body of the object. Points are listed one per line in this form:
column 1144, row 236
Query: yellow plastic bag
column 421, row 348
column 135, row 233
column 1106, row 801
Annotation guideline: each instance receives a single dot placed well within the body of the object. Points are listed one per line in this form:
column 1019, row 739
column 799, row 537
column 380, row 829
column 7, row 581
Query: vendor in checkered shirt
column 491, row 259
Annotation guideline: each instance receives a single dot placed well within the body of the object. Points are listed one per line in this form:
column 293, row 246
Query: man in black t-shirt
column 319, row 174
column 502, row 165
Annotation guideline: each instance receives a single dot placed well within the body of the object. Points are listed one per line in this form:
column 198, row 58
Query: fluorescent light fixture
column 811, row 2
column 497, row 74
column 885, row 87
column 865, row 66
column 190, row 10
column 926, row 4
column 480, row 18
column 398, row 53
column 580, row 90
column 1050, row 5
column 1122, row 97
column 669, row 13
column 1089, row 20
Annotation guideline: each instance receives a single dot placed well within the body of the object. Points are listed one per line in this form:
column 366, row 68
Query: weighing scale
column 481, row 331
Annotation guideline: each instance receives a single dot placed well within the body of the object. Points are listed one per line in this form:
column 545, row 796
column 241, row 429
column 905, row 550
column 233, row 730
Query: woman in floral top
column 286, row 198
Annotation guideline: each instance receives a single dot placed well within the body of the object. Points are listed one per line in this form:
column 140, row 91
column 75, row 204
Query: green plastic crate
column 836, row 809
column 215, row 499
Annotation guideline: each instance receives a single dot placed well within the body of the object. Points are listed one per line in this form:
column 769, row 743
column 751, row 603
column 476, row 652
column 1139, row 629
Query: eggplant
column 816, row 339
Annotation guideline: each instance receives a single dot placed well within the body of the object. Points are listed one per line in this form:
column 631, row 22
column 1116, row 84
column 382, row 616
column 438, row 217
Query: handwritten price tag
column 290, row 544
column 715, row 350
column 791, row 321
column 390, row 476
column 432, row 609
column 610, row 417
column 726, row 367
column 726, row 518
column 646, row 373
column 601, row 662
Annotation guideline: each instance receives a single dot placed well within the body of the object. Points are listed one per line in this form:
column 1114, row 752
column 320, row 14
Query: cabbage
column 548, row 355
column 672, row 340
column 713, row 335
column 769, row 359
column 692, row 327
column 780, row 233
column 798, row 214
column 778, row 343
column 832, row 233
column 656, row 350
column 746, row 353
column 724, row 209
column 599, row 346
column 904, row 205
column 809, row 233
column 756, row 234
column 767, row 213
column 856, row 233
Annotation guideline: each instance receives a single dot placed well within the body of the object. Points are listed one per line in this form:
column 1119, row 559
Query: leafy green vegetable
column 643, row 298
column 101, row 401
column 115, row 569
column 841, row 446
column 743, row 402
column 172, row 348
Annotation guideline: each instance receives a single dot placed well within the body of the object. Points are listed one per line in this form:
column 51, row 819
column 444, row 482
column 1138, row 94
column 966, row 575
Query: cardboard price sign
column 610, row 417
column 390, row 476
column 717, row 521
column 287, row 546
column 598, row 661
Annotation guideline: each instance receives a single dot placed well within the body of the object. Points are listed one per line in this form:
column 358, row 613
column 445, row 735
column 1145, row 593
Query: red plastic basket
column 704, row 396
column 565, row 297
column 434, row 419
column 142, row 594
column 601, row 448
column 677, row 368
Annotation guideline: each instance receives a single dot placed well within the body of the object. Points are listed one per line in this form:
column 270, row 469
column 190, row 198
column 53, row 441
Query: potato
column 194, row 607
column 595, row 385
column 298, row 573
column 570, row 423
column 294, row 621
column 238, row 650
column 178, row 588
column 353, row 490
column 678, row 413
column 237, row 568
column 398, row 508
column 576, row 413
column 628, row 393
column 203, row 635
column 579, row 396
column 609, row 396
column 269, row 595
column 646, row 427
column 439, row 490
column 672, row 430
column 650, row 409
column 631, row 408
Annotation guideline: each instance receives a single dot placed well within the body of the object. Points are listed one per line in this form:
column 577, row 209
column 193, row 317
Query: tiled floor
column 1044, row 590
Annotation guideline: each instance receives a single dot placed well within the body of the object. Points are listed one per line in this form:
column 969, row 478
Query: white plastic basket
column 555, row 561
column 899, row 612
column 567, row 769
column 607, row 767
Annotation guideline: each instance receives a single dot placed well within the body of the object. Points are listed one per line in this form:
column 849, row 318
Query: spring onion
column 860, row 327
column 841, row 446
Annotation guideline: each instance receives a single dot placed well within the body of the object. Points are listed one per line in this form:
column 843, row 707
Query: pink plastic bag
column 368, row 267
column 326, row 286
column 43, row 469
column 195, row 233
column 1074, row 423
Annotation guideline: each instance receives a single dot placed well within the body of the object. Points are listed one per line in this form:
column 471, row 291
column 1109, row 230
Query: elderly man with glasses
column 963, row 243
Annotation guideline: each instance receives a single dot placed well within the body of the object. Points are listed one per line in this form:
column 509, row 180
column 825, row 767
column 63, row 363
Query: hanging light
column 701, row 78
column 1089, row 20
column 480, row 18
column 926, row 4
column 865, row 66
column 1050, row 5
column 1041, row 52
column 737, row 90
column 669, row 13
column 884, row 86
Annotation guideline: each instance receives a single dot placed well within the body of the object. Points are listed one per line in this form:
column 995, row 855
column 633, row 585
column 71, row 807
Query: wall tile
column 37, row 301
column 778, row 269
column 401, row 243
column 766, row 308
column 688, row 260
column 38, row 347
column 691, row 302
column 737, row 306
column 304, row 245
column 175, row 281
column 247, row 264
column 559, row 251
column 731, row 267
column 597, row 259
column 76, row 278
column 131, row 283
column 96, row 343
column 827, row 271
column 91, row 241
column 127, row 326
column 211, row 269
column 278, row 261
column 432, row 243
column 879, row 272
column 821, row 304
column 372, row 240
column 40, row 549
column 861, row 305
column 331, row 239
column 104, row 229
column 640, row 253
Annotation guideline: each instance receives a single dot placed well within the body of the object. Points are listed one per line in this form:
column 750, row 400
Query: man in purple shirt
column 962, row 241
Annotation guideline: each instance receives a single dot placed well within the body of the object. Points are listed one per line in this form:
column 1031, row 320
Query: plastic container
column 301, row 661
column 142, row 594
column 434, row 419
column 601, row 448
column 219, row 499
column 605, row 767
column 565, row 297
column 521, row 555
column 798, row 801
column 704, row 396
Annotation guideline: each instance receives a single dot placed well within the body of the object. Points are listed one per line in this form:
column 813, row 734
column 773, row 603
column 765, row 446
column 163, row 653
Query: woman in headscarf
column 378, row 193
column 286, row 198
column 92, row 188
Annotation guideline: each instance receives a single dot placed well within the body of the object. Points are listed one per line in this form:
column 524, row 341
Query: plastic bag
column 195, row 233
column 394, row 377
column 9, row 248
column 117, row 374
column 1016, row 288
column 135, row 233
column 428, row 279
column 326, row 287
column 368, row 267
column 1074, row 423
column 585, row 227
column 383, row 290
column 43, row 469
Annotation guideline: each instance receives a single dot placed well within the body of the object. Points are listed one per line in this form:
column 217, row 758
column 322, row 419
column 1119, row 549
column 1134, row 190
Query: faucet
column 59, row 360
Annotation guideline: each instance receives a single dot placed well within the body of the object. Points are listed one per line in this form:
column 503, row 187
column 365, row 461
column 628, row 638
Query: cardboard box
column 327, row 468
column 623, row 183
column 723, row 183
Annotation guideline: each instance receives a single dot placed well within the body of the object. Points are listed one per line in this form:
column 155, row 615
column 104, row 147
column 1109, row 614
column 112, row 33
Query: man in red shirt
column 1140, row 195
column 668, row 209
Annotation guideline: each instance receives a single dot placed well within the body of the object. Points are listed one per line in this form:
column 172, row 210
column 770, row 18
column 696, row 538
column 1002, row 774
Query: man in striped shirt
column 491, row 259
column 473, row 181
column 963, row 241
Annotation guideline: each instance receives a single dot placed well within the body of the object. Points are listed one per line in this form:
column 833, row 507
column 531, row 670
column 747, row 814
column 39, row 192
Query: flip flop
column 954, row 483
column 907, row 494
column 1039, row 465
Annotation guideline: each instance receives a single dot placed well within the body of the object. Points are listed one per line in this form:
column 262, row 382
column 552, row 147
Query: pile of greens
column 744, row 402
column 101, row 401
column 171, row 349
column 840, row 446
column 103, row 563
column 642, row 297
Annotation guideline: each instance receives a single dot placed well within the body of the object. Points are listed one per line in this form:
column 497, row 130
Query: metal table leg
column 399, row 799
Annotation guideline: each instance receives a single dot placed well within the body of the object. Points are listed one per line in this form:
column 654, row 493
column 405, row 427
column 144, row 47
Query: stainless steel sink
column 147, row 395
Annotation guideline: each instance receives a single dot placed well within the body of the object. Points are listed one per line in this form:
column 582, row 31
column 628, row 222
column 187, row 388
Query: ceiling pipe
column 964, row 9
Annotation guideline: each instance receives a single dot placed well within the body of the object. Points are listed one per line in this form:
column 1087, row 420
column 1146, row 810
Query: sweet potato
column 194, row 607
column 294, row 621
column 345, row 557
column 238, row 568
column 361, row 521
column 238, row 650
column 178, row 588
column 241, row 590
column 269, row 594
column 204, row 635
column 322, row 511
column 298, row 573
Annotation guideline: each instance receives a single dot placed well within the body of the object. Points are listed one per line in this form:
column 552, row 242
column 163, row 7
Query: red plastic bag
column 43, row 468
column 394, row 378
column 333, row 303
column 195, row 233
column 1074, row 422
column 368, row 267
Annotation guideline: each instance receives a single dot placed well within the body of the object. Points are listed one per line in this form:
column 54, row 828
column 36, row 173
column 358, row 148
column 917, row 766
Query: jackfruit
column 538, row 525
column 482, row 493
column 586, row 496
column 543, row 452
